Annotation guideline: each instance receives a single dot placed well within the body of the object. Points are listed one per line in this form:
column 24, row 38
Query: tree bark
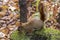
column 23, row 10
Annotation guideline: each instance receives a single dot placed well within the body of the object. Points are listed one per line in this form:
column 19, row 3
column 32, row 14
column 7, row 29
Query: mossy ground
column 50, row 33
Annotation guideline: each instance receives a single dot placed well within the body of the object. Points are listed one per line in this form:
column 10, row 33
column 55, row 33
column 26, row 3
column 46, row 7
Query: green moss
column 18, row 36
column 50, row 33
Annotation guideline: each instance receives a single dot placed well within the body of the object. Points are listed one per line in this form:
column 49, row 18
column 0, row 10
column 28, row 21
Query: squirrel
column 34, row 24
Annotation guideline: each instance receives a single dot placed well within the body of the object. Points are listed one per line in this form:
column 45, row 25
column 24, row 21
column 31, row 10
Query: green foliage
column 18, row 36
column 37, row 4
column 50, row 33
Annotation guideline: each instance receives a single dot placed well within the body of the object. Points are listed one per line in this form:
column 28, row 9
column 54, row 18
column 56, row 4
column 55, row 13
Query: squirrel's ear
column 40, row 8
